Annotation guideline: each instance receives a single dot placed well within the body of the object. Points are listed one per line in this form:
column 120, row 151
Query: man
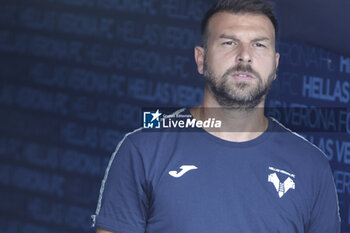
column 251, row 175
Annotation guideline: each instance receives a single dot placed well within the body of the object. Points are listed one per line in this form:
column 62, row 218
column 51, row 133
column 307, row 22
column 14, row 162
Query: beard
column 235, row 94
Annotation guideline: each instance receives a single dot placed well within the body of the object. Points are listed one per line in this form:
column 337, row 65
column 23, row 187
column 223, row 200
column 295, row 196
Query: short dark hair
column 239, row 6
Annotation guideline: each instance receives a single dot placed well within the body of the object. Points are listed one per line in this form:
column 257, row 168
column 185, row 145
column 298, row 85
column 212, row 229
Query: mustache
column 242, row 68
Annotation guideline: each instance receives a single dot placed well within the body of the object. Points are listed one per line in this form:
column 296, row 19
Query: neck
column 238, row 125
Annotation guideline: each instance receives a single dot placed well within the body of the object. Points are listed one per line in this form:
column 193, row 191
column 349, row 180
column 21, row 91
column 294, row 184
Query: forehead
column 241, row 24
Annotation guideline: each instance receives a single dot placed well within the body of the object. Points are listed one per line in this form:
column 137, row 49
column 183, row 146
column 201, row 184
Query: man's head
column 257, row 7
column 238, row 57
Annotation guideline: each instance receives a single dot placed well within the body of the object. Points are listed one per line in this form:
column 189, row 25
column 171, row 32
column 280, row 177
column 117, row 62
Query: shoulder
column 149, row 144
column 148, row 137
column 298, row 146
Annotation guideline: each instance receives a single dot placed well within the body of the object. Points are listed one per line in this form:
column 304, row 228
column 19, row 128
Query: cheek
column 215, row 65
column 220, row 64
column 265, row 64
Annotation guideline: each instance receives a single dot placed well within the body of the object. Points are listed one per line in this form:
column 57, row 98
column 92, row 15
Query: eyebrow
column 232, row 37
column 225, row 36
column 262, row 39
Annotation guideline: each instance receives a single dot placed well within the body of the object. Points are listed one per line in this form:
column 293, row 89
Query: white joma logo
column 281, row 188
column 184, row 169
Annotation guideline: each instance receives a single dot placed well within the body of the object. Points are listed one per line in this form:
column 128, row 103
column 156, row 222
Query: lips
column 242, row 76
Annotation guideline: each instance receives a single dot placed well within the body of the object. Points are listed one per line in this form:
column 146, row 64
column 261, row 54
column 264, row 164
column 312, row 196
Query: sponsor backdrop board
column 74, row 75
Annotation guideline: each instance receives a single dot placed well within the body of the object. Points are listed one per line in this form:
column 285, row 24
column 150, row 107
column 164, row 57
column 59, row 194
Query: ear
column 277, row 59
column 199, row 57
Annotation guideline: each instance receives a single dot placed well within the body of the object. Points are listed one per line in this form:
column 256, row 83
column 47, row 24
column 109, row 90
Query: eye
column 228, row 43
column 259, row 45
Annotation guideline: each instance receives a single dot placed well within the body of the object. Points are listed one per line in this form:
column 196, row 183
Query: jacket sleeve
column 123, row 202
column 324, row 216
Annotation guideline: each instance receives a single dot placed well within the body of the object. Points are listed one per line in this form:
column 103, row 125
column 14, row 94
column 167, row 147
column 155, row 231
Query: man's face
column 240, row 61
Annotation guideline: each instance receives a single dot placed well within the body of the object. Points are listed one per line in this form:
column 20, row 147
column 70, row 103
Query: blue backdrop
column 75, row 74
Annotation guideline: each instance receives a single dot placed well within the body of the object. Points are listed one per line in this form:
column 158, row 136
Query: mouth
column 243, row 76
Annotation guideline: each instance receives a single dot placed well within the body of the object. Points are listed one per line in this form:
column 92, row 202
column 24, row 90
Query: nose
column 244, row 54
